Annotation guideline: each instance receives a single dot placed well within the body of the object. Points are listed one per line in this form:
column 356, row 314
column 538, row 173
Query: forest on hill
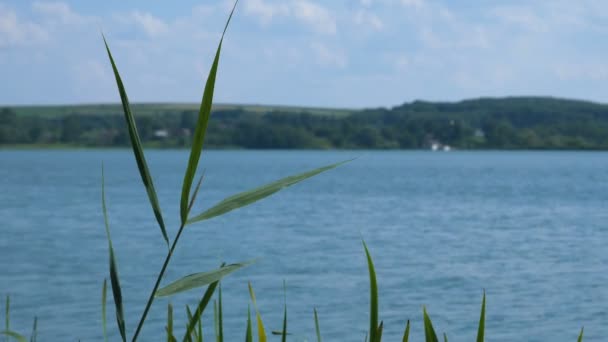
column 487, row 123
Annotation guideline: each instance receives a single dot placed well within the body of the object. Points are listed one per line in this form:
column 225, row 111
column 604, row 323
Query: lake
column 529, row 228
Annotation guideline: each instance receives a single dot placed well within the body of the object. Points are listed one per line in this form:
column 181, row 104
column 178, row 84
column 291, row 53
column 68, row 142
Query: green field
column 151, row 109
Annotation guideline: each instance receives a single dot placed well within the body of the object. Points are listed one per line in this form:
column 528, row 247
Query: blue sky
column 336, row 53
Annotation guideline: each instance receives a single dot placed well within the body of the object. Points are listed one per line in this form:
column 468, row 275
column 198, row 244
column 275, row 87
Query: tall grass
column 211, row 278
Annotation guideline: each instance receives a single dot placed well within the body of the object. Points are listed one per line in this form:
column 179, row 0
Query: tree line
column 506, row 123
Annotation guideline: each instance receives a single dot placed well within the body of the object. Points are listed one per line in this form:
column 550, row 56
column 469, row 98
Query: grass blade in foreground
column 104, row 296
column 34, row 335
column 317, row 330
column 201, row 127
column 580, row 336
column 114, row 279
column 199, row 279
column 137, row 149
column 188, row 177
column 7, row 317
column 199, row 310
column 220, row 320
column 16, row 336
column 406, row 334
column 482, row 320
column 429, row 331
column 373, row 309
column 284, row 332
column 261, row 329
column 249, row 332
column 248, row 197
column 379, row 334
column 170, row 337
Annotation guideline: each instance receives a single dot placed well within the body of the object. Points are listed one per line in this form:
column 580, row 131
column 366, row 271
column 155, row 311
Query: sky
column 332, row 53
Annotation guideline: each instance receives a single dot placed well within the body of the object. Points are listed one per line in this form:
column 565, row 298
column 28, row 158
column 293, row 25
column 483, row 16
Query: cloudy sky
column 336, row 53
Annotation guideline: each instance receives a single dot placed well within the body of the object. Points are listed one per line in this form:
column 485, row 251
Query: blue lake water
column 531, row 228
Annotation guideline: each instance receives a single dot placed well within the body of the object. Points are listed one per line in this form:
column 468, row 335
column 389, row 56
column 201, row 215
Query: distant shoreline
column 512, row 123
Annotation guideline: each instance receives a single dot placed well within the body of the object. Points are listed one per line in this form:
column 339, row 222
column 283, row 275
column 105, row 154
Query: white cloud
column 413, row 3
column 58, row 12
column 365, row 18
column 309, row 13
column 329, row 57
column 523, row 17
column 15, row 32
column 150, row 24
column 265, row 10
column 315, row 15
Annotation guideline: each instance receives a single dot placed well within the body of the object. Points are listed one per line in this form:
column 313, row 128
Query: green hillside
column 486, row 123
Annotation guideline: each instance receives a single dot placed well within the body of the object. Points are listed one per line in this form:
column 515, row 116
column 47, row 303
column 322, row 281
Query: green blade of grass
column 114, row 278
column 190, row 318
column 201, row 127
column 142, row 165
column 373, row 310
column 429, row 331
column 317, row 330
column 200, row 279
column 580, row 336
column 34, row 335
column 104, row 322
column 379, row 333
column 199, row 328
column 445, row 337
column 170, row 336
column 7, row 317
column 406, row 333
column 215, row 322
column 248, row 197
column 284, row 332
column 261, row 329
column 482, row 320
column 200, row 309
column 220, row 315
column 248, row 332
column 16, row 336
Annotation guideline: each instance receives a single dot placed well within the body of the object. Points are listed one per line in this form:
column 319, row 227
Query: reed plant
column 210, row 279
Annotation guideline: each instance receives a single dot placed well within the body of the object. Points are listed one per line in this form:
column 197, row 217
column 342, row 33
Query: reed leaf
column 248, row 197
column 482, row 320
column 7, row 313
column 580, row 336
column 248, row 332
column 104, row 321
column 373, row 310
column 317, row 330
column 406, row 333
column 16, row 336
column 201, row 126
column 34, row 335
column 429, row 331
column 196, row 280
column 284, row 332
column 114, row 278
column 190, row 318
column 379, row 333
column 445, row 337
column 196, row 189
column 220, row 335
column 199, row 328
column 192, row 321
column 142, row 165
column 261, row 329
column 170, row 336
